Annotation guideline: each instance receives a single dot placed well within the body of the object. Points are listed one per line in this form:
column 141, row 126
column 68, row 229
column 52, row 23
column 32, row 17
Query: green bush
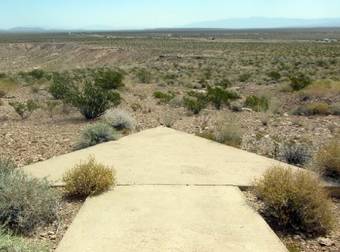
column 195, row 101
column 109, row 79
column 244, row 77
column 194, row 104
column 218, row 96
column 92, row 101
column 299, row 81
column 295, row 201
column 94, row 98
column 24, row 109
column 327, row 159
column 317, row 108
column 274, row 75
column 164, row 97
column 25, row 202
column 119, row 119
column 96, row 134
column 257, row 103
column 88, row 179
column 61, row 86
column 10, row 243
column 37, row 74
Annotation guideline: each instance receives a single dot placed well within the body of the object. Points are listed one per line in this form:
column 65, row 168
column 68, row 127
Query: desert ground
column 178, row 66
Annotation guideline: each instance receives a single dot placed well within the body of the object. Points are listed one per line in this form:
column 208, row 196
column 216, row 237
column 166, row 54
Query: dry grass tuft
column 295, row 201
column 227, row 131
column 327, row 160
column 7, row 85
column 315, row 108
column 88, row 179
column 322, row 88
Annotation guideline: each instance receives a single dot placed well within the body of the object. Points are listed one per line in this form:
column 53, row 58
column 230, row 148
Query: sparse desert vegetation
column 28, row 205
column 273, row 93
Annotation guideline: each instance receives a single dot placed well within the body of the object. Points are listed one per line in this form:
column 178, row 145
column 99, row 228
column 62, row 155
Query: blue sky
column 152, row 13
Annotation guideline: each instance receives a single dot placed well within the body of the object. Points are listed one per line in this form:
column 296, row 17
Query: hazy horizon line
column 186, row 26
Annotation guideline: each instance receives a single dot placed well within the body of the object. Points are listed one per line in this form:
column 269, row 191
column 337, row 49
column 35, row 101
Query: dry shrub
column 228, row 134
column 7, row 85
column 25, row 202
column 207, row 134
column 2, row 93
column 96, row 134
column 144, row 76
column 194, row 104
column 327, row 160
column 119, row 119
column 227, row 131
column 176, row 102
column 315, row 108
column 24, row 109
column 256, row 103
column 11, row 243
column 322, row 88
column 295, row 153
column 168, row 119
column 335, row 108
column 88, row 179
column 6, row 166
column 295, row 201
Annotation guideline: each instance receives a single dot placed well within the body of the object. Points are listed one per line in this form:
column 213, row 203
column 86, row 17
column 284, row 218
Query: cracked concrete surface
column 176, row 192
column 164, row 156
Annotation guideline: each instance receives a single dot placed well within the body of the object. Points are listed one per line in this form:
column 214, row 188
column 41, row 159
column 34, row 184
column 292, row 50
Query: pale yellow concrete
column 153, row 209
column 169, row 218
column 164, row 156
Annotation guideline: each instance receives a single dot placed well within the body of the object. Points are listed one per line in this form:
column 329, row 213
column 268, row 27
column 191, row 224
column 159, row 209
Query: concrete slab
column 164, row 156
column 169, row 218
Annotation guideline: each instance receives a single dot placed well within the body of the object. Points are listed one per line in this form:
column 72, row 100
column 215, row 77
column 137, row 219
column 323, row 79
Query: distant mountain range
column 27, row 29
column 233, row 23
column 263, row 22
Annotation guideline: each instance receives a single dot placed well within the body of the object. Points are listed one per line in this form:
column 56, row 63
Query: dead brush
column 327, row 160
column 88, row 179
column 295, row 201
